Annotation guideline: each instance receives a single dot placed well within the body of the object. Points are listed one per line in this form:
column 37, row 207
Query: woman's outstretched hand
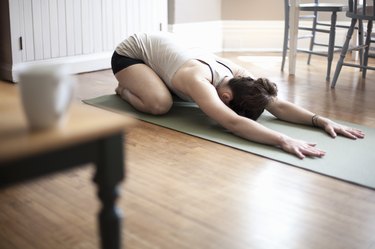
column 301, row 148
column 334, row 129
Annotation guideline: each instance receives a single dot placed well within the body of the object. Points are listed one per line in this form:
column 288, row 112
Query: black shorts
column 119, row 62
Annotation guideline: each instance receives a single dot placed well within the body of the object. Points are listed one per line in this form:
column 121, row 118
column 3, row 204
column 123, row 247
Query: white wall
column 262, row 10
column 182, row 11
column 242, row 25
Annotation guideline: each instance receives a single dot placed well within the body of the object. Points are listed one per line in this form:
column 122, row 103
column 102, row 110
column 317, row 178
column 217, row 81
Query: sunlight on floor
column 262, row 63
column 257, row 59
column 273, row 212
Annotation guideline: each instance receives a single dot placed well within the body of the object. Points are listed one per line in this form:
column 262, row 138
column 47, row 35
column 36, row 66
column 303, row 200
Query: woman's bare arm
column 290, row 112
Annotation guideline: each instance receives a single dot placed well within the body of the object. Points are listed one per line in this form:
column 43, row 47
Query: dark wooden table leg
column 109, row 173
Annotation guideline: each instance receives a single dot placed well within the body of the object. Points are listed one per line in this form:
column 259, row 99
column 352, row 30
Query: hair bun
column 267, row 85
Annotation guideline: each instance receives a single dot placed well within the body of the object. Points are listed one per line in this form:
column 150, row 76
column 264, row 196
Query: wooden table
column 89, row 135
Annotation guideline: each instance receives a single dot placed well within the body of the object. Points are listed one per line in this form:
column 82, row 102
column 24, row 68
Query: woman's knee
column 159, row 104
column 144, row 89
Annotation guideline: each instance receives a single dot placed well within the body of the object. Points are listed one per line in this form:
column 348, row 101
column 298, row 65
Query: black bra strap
column 225, row 66
column 212, row 73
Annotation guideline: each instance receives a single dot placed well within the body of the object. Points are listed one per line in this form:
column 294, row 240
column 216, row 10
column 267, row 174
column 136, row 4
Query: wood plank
column 63, row 50
column 54, row 28
column 123, row 23
column 108, row 32
column 46, row 28
column 37, row 29
column 77, row 19
column 97, row 26
column 87, row 27
column 16, row 16
column 28, row 34
column 116, row 20
column 69, row 19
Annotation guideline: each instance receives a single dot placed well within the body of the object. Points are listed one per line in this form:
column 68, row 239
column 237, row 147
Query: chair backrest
column 361, row 9
column 287, row 8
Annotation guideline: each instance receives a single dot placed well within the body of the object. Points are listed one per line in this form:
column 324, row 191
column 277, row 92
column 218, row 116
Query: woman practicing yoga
column 149, row 67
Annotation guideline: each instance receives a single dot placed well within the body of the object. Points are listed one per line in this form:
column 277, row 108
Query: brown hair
column 250, row 96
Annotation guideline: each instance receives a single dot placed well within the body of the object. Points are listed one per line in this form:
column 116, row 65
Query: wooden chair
column 317, row 26
column 357, row 13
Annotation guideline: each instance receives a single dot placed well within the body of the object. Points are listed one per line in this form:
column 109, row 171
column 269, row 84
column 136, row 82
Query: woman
column 149, row 67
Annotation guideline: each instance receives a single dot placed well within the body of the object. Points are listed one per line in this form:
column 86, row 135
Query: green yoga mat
column 345, row 159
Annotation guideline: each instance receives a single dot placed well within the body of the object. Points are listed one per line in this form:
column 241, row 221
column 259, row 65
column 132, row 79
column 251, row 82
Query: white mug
column 46, row 93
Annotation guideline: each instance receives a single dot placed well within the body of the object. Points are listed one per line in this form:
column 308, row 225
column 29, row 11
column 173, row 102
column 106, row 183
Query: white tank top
column 165, row 54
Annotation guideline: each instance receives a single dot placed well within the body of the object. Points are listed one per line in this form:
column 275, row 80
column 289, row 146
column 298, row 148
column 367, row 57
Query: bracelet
column 314, row 120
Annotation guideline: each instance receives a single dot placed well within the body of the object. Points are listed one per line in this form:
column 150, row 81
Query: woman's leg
column 141, row 87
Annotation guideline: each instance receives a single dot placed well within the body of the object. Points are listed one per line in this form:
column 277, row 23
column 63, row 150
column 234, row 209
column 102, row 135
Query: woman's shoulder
column 193, row 70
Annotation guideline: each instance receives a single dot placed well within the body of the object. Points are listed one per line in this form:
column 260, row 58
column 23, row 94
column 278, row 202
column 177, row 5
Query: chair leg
column 331, row 45
column 360, row 41
column 343, row 52
column 285, row 44
column 286, row 35
column 312, row 40
column 368, row 41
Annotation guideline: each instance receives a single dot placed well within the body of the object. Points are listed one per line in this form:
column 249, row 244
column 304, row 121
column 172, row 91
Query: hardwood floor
column 186, row 192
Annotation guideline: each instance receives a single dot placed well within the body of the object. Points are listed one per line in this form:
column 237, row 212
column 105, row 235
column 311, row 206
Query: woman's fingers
column 312, row 152
column 299, row 154
column 350, row 132
column 309, row 150
column 355, row 132
column 302, row 149
column 331, row 131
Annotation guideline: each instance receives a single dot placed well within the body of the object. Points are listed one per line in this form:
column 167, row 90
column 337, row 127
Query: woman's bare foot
column 118, row 90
